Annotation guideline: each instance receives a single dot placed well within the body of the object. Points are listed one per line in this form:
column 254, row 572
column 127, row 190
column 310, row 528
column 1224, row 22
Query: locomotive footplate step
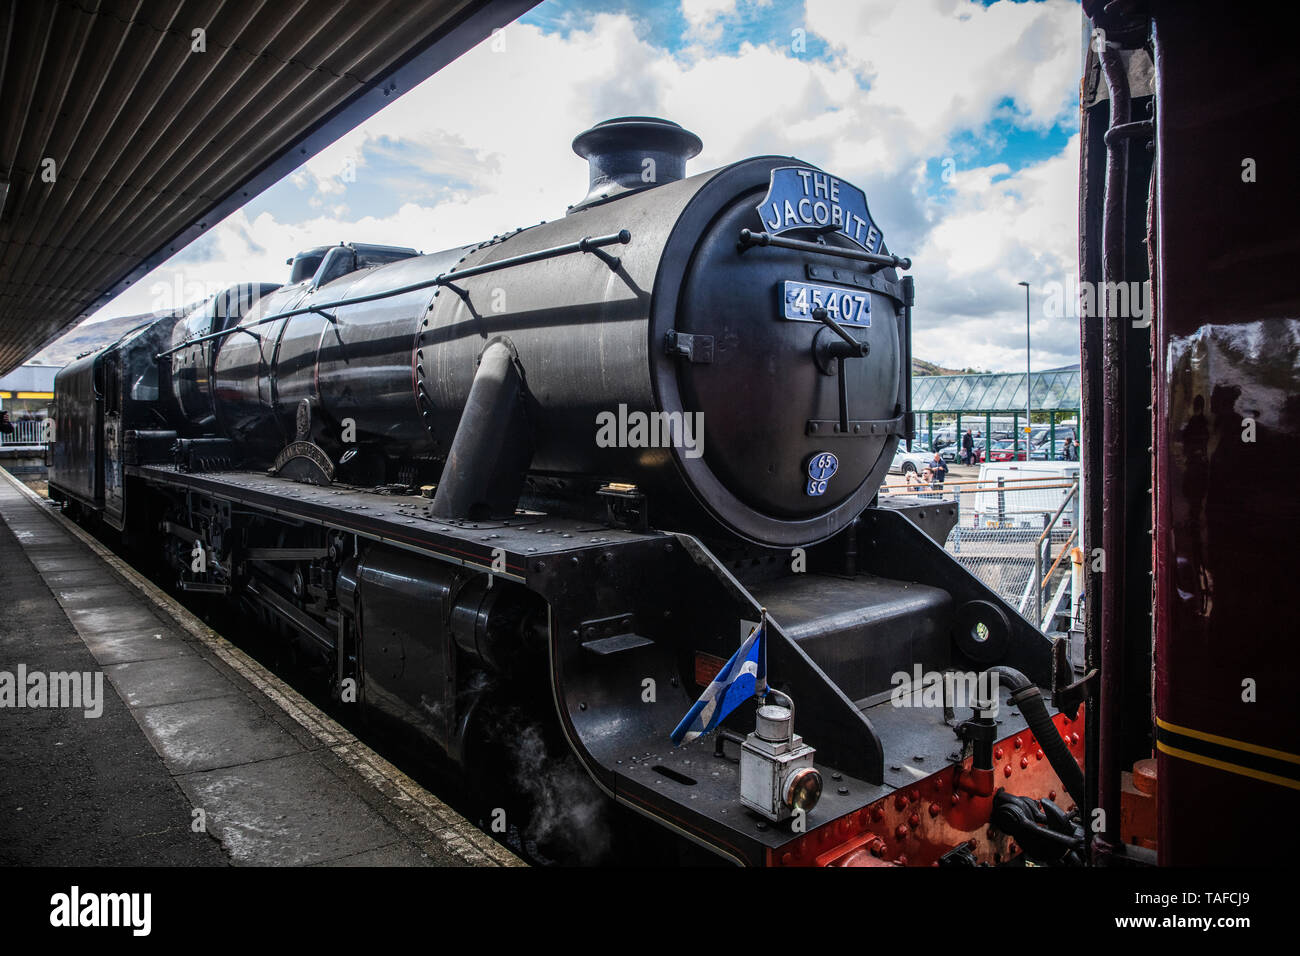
column 171, row 746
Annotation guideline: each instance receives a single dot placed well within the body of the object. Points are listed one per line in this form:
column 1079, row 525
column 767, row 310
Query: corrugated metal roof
column 1057, row 389
column 152, row 141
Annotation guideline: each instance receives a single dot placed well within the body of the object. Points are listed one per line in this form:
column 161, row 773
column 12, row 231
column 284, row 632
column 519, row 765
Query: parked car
column 1004, row 451
column 952, row 453
column 914, row 460
column 1042, row 434
column 1040, row 453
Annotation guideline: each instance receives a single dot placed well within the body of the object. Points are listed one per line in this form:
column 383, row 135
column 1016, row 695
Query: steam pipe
column 1109, row 723
column 909, row 299
column 750, row 238
column 1026, row 695
column 491, row 451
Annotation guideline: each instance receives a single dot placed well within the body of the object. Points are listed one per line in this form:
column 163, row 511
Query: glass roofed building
column 994, row 401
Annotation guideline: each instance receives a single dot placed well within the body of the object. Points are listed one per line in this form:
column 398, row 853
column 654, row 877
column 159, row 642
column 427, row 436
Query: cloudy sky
column 959, row 119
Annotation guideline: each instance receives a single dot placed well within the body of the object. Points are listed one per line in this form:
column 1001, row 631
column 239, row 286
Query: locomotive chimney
column 629, row 153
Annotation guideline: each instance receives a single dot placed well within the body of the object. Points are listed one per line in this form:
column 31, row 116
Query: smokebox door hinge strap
column 695, row 347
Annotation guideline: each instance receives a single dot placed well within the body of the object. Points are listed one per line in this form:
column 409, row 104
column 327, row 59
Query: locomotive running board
column 400, row 521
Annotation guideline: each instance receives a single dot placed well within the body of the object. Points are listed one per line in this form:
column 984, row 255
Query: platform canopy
column 1053, row 390
column 128, row 127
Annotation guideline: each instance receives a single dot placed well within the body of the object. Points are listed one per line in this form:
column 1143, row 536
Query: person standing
column 939, row 470
column 967, row 448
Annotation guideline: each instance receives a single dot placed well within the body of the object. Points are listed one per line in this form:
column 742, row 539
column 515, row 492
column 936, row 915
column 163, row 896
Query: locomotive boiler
column 650, row 313
column 551, row 480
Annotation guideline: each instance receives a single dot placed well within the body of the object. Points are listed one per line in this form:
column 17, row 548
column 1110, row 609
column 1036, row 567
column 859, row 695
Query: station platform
column 132, row 734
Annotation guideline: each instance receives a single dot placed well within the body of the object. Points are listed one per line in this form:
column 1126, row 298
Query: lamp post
column 1029, row 403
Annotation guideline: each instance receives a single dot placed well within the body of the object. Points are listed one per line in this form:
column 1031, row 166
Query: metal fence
column 1017, row 535
column 31, row 432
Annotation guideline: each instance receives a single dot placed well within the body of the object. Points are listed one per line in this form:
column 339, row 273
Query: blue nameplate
column 803, row 198
column 821, row 469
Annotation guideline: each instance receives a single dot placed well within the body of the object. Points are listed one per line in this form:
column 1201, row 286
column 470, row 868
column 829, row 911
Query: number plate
column 845, row 306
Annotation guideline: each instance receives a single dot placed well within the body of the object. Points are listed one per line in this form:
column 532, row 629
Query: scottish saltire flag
column 744, row 676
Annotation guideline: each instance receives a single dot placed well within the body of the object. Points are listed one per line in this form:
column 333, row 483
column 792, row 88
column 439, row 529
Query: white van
column 1032, row 489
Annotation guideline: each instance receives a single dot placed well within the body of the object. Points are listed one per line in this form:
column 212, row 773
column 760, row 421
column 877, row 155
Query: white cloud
column 902, row 82
column 994, row 231
column 706, row 20
column 702, row 16
column 940, row 66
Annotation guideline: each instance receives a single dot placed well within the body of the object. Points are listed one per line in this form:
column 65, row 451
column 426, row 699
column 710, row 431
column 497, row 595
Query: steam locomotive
column 552, row 479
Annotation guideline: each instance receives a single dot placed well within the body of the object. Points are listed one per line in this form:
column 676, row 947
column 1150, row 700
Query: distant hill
column 87, row 338
column 922, row 367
